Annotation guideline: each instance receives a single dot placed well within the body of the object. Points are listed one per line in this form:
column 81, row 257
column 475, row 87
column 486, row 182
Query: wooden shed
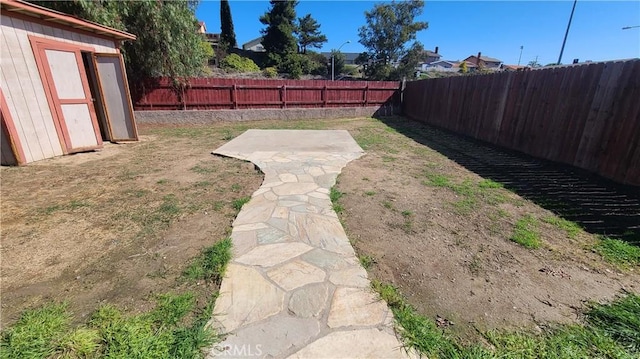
column 64, row 85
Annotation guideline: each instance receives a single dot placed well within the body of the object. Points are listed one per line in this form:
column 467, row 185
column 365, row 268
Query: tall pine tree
column 277, row 38
column 227, row 35
column 309, row 34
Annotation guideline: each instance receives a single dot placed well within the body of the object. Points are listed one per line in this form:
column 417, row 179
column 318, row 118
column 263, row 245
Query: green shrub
column 270, row 72
column 235, row 62
column 351, row 70
column 292, row 65
column 314, row 63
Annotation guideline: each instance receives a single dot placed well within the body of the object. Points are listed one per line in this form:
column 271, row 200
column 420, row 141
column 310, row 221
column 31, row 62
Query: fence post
column 366, row 95
column 234, row 96
column 283, row 96
column 324, row 96
column 403, row 85
column 184, row 103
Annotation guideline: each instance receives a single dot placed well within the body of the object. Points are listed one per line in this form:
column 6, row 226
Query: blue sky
column 463, row 28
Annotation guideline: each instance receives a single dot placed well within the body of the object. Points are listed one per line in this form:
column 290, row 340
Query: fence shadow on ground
column 599, row 205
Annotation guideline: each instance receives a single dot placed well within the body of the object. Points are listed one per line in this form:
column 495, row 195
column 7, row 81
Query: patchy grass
column 465, row 206
column 438, row 180
column 366, row 261
column 238, row 203
column 202, row 169
column 174, row 329
column 618, row 252
column 611, row 331
column 211, row 263
column 475, row 265
column 334, row 196
column 620, row 320
column 572, row 228
column 473, row 194
column 387, row 204
column 369, row 193
column 369, row 137
column 70, row 206
column 525, row 232
column 36, row 332
column 417, row 332
column 227, row 134
column 487, row 183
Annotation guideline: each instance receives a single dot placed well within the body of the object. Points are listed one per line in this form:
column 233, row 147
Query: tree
column 406, row 69
column 309, row 34
column 227, row 35
column 464, row 68
column 389, row 26
column 167, row 43
column 534, row 63
column 277, row 37
column 314, row 64
column 338, row 62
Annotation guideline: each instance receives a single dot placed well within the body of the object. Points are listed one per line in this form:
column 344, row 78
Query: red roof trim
column 22, row 7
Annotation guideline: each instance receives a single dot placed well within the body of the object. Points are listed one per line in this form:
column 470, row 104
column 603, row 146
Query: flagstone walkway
column 295, row 288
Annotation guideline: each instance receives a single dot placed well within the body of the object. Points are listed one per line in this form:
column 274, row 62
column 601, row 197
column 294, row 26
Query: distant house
column 513, row 67
column 446, row 66
column 431, row 56
column 202, row 28
column 254, row 45
column 213, row 39
column 484, row 61
column 349, row 57
column 437, row 65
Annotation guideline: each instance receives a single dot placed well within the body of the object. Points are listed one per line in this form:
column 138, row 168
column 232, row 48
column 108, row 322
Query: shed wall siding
column 23, row 88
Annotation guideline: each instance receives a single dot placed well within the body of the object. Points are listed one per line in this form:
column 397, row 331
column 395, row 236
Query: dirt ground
column 457, row 262
column 115, row 226
column 120, row 225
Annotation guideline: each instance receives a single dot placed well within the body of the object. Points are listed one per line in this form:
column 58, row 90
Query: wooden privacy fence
column 587, row 115
column 213, row 94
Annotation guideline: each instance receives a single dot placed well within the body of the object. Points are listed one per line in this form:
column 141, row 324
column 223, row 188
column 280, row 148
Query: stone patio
column 295, row 288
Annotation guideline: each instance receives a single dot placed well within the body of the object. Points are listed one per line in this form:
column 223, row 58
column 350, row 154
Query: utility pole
column 333, row 60
column 520, row 57
column 567, row 33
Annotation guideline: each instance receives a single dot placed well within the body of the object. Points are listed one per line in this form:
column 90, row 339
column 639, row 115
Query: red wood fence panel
column 585, row 115
column 213, row 94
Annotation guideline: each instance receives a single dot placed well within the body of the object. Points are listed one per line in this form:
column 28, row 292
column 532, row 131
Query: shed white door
column 66, row 79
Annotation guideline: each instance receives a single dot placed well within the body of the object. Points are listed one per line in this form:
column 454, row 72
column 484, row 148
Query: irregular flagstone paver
column 296, row 274
column 309, row 301
column 355, row 307
column 246, row 297
column 272, row 254
column 365, row 344
column 295, row 288
column 270, row 338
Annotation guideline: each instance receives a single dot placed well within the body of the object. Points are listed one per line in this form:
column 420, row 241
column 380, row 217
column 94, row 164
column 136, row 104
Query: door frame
column 38, row 46
column 11, row 132
column 127, row 93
